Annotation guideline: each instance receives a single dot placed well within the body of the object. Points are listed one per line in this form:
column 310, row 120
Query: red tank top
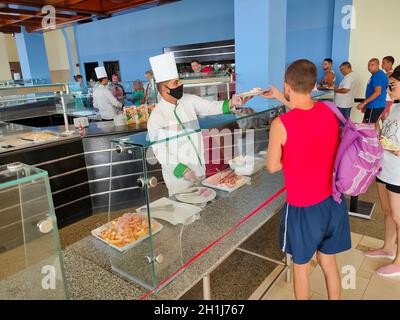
column 309, row 154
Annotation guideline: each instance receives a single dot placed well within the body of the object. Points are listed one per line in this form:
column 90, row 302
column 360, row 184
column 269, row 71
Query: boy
column 304, row 142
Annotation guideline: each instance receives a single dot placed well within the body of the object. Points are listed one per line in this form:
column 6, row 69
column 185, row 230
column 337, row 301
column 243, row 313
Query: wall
column 12, row 51
column 5, row 73
column 374, row 36
column 132, row 38
column 57, row 56
column 309, row 31
column 264, row 66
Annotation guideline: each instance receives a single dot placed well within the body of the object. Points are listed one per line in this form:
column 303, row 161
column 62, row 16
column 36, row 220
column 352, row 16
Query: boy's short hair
column 389, row 59
column 301, row 76
column 329, row 60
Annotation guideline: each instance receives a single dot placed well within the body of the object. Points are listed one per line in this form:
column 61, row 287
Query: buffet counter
column 87, row 261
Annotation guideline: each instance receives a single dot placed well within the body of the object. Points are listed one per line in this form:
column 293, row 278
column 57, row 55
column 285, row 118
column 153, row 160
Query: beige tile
column 318, row 286
column 362, row 248
column 380, row 288
column 364, row 274
column 370, row 265
column 351, row 257
column 355, row 239
column 278, row 293
column 371, row 242
column 317, row 296
column 358, row 292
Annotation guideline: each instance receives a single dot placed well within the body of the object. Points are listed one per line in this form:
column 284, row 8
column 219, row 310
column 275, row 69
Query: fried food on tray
column 126, row 229
column 39, row 136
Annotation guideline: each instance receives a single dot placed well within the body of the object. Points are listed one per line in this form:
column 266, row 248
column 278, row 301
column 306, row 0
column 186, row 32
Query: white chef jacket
column 188, row 148
column 104, row 100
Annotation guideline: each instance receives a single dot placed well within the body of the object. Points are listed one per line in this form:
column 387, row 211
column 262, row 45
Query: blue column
column 260, row 44
column 32, row 55
column 341, row 35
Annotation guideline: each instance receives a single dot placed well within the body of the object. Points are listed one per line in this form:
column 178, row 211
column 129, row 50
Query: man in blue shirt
column 375, row 101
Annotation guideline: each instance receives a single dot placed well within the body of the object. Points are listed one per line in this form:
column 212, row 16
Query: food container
column 97, row 233
column 81, row 122
column 139, row 114
column 246, row 165
column 39, row 136
column 214, row 182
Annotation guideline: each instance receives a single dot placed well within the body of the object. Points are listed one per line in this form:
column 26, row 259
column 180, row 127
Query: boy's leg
column 301, row 280
column 331, row 273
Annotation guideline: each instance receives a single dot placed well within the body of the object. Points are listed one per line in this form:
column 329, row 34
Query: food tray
column 250, row 93
column 97, row 232
column 250, row 165
column 212, row 182
column 52, row 136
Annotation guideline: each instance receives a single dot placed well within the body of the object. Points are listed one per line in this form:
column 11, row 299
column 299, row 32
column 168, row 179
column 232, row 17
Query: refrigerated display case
column 31, row 264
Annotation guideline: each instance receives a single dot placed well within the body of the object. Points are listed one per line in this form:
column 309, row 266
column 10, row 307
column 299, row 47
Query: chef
column 173, row 126
column 103, row 99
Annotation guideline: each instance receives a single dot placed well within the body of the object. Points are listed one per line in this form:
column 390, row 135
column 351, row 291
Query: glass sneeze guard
column 31, row 263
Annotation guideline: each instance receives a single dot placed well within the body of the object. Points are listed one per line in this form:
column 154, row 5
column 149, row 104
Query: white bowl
column 247, row 165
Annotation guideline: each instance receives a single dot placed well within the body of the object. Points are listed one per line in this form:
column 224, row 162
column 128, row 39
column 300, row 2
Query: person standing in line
column 375, row 102
column 344, row 94
column 329, row 79
column 150, row 92
column 304, row 142
column 117, row 89
column 388, row 184
column 387, row 66
column 138, row 93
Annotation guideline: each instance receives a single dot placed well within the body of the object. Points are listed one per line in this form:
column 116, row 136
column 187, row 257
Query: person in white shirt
column 388, row 185
column 103, row 99
column 173, row 126
column 344, row 94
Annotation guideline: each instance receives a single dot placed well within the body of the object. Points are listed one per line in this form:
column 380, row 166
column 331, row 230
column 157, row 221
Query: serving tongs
column 168, row 208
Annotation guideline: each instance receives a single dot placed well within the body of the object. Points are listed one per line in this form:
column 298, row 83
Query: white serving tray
column 209, row 183
column 250, row 93
column 98, row 231
column 183, row 213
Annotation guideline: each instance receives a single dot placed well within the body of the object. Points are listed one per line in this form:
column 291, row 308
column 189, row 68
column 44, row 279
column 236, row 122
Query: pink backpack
column 359, row 157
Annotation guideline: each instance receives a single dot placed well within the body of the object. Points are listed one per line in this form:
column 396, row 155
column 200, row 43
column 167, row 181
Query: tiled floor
column 368, row 286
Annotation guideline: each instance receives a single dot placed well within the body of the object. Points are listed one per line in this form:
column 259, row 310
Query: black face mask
column 177, row 92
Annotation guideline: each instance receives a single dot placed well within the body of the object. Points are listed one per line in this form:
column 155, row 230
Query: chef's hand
column 190, row 176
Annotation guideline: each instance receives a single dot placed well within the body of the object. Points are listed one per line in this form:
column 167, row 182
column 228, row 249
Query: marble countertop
column 87, row 261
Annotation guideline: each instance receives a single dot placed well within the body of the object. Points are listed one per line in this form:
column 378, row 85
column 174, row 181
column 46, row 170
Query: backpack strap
column 335, row 110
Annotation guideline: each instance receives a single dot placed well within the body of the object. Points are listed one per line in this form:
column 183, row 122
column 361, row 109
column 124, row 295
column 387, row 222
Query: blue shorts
column 322, row 227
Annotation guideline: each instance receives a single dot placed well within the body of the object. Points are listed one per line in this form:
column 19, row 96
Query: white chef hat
column 100, row 72
column 164, row 67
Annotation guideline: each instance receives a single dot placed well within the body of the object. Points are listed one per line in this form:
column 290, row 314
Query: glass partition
column 165, row 217
column 31, row 265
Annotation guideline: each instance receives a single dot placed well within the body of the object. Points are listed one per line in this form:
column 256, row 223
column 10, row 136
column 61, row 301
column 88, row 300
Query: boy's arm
column 277, row 138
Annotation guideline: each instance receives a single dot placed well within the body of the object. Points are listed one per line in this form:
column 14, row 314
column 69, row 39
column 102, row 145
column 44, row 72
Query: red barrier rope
column 213, row 243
